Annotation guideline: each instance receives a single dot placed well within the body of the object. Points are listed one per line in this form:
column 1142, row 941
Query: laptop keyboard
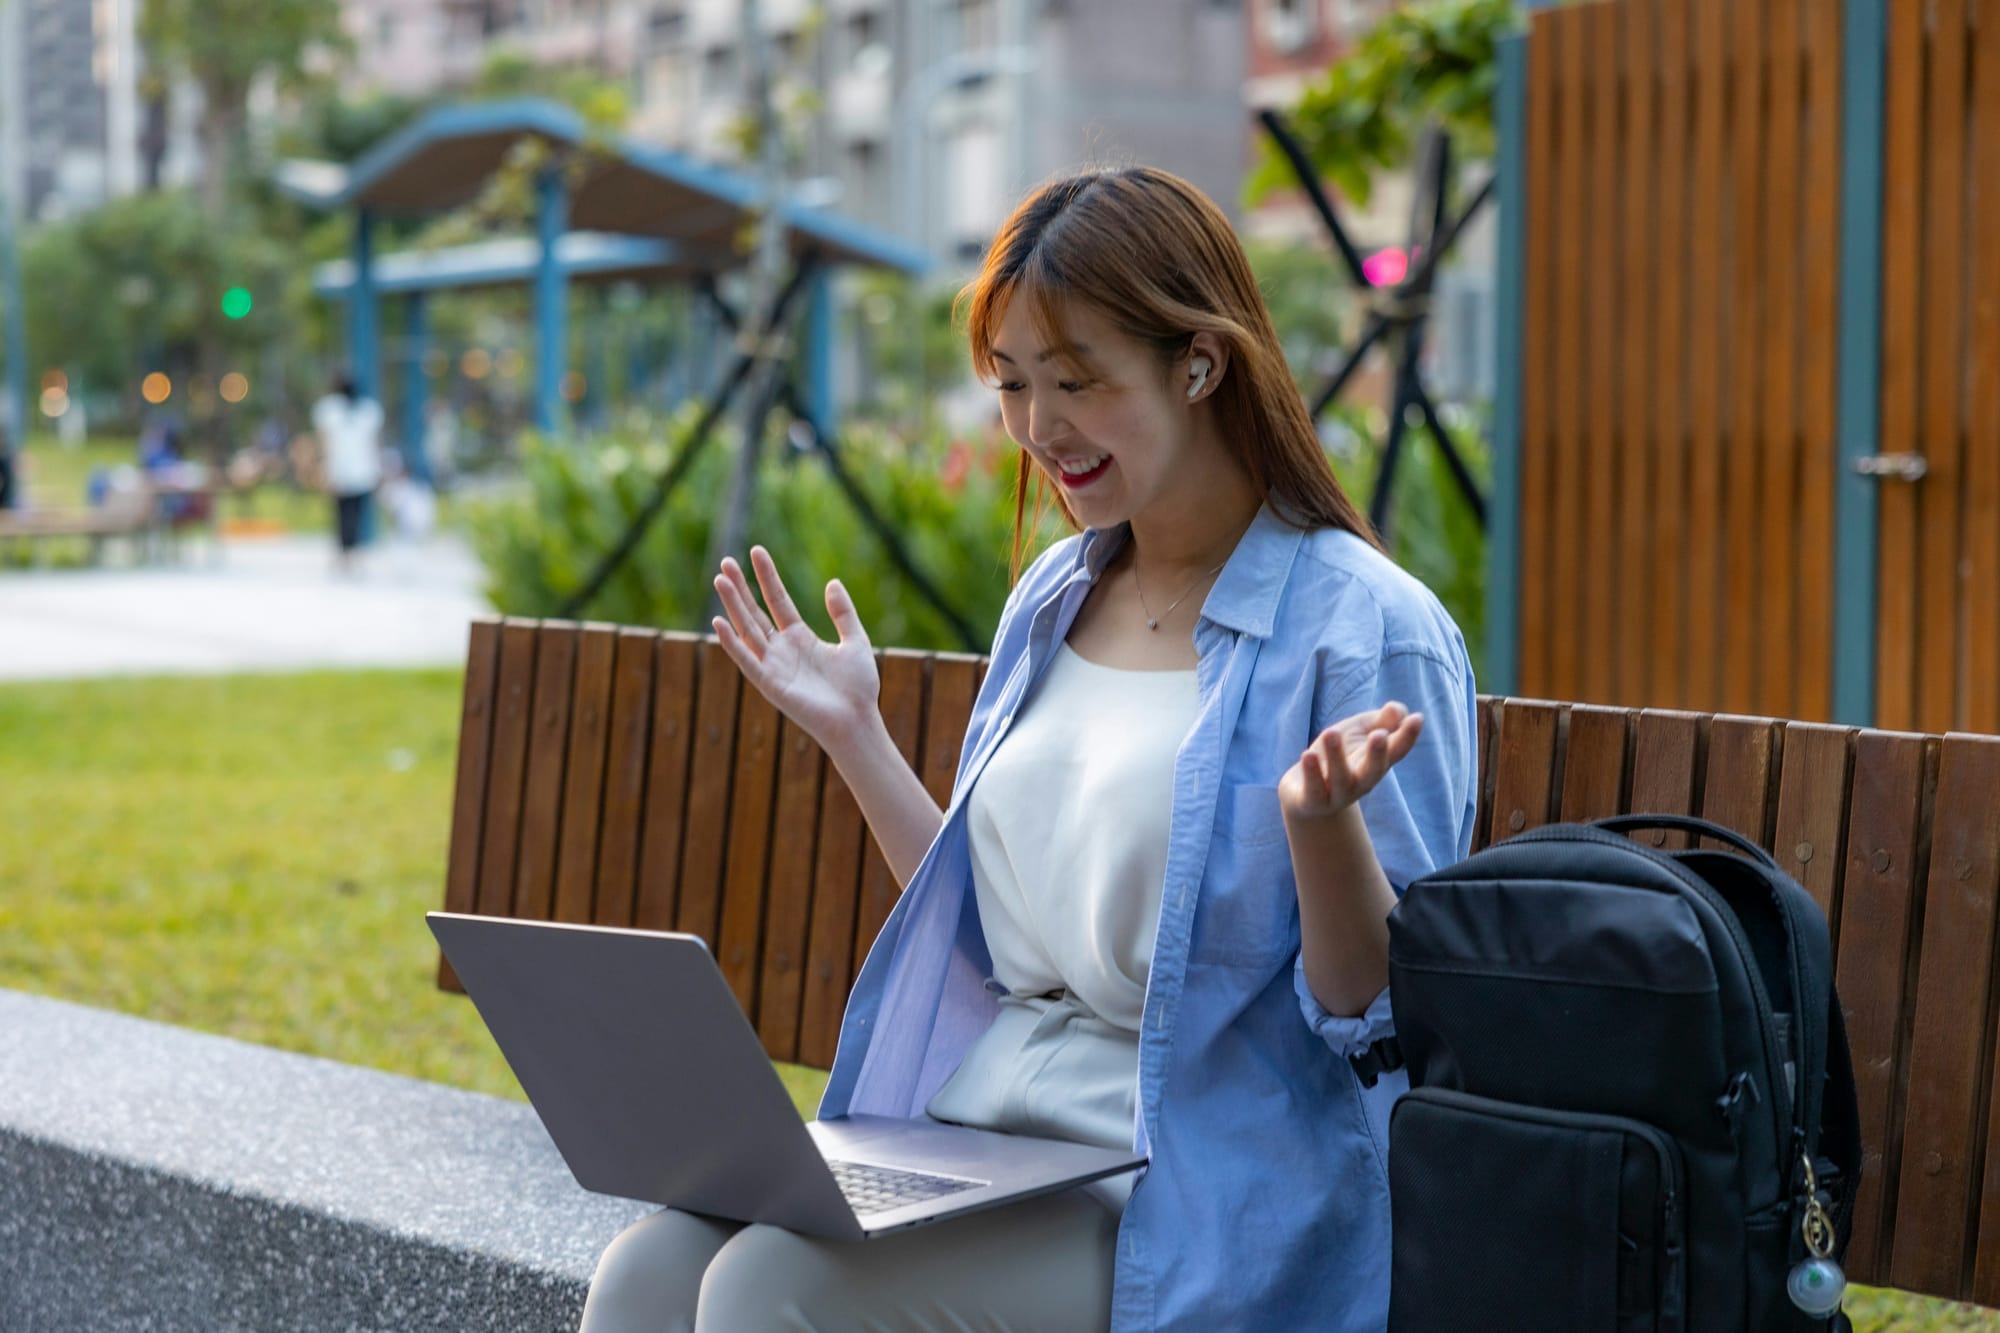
column 877, row 1189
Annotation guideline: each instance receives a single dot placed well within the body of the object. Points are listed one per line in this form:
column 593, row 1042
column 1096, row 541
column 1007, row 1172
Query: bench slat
column 475, row 747
column 583, row 783
column 794, row 830
column 1595, row 756
column 1812, row 810
column 904, row 685
column 501, row 823
column 615, row 895
column 1950, row 1050
column 1894, row 775
column 711, row 765
column 676, row 671
column 1667, row 748
column 832, row 954
column 954, row 685
column 548, row 741
column 1524, row 770
column 747, row 870
column 1482, row 824
column 1743, row 758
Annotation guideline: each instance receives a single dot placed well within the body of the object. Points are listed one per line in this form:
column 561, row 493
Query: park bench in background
column 131, row 517
column 627, row 777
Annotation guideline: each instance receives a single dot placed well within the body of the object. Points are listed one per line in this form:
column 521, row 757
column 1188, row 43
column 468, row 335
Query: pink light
column 1386, row 268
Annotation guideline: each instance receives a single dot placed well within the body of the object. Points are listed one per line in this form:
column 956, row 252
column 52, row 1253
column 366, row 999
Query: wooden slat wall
column 1938, row 650
column 1679, row 395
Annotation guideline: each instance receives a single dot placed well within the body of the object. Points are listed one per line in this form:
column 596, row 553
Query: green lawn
column 250, row 855
column 253, row 855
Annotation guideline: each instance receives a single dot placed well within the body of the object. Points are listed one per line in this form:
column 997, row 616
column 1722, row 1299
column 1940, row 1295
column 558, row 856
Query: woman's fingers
column 846, row 620
column 783, row 613
column 746, row 661
column 743, row 611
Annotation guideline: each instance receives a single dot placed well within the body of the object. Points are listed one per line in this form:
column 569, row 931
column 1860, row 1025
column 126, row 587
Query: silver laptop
column 653, row 1085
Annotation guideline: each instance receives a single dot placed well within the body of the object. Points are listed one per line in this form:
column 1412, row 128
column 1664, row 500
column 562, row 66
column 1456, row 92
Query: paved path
column 263, row 605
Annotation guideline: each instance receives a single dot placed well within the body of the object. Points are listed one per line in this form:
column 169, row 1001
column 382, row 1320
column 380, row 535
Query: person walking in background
column 349, row 425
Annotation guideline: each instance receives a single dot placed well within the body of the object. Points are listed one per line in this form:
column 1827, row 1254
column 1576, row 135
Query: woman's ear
column 1207, row 362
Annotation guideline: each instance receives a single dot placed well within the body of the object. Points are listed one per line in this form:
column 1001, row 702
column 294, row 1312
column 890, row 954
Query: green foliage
column 949, row 502
column 132, row 287
column 1433, row 532
column 1310, row 302
column 1436, row 62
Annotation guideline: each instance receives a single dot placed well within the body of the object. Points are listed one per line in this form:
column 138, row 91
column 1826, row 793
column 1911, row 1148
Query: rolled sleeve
column 1419, row 816
column 1346, row 1037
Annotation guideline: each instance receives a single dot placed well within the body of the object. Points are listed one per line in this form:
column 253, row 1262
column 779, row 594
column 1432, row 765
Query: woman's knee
column 767, row 1278
column 650, row 1275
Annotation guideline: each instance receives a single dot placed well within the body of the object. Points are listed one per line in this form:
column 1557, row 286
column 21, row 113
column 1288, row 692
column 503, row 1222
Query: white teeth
column 1077, row 467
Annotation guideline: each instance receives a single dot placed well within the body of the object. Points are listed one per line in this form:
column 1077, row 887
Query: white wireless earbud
column 1198, row 372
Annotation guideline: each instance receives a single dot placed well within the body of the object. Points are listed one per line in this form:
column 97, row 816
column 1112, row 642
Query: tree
column 1431, row 64
column 225, row 47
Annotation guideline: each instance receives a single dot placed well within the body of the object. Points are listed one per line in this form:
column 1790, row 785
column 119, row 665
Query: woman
column 1220, row 731
column 349, row 425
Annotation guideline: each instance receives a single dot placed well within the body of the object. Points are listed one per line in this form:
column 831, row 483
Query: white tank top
column 1068, row 825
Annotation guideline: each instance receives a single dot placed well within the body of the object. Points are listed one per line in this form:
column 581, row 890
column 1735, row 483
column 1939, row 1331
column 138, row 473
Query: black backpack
column 1631, row 1100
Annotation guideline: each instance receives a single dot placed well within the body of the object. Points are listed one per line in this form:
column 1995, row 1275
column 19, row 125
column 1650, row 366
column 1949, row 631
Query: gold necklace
column 1153, row 621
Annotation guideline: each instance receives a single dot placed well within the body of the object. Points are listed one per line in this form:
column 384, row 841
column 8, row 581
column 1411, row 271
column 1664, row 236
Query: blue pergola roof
column 581, row 256
column 444, row 158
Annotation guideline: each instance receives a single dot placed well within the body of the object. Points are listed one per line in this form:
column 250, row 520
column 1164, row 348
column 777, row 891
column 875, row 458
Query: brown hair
column 1156, row 257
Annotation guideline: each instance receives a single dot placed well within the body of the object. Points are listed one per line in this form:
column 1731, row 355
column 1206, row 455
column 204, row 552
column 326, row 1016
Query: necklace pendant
column 1153, row 624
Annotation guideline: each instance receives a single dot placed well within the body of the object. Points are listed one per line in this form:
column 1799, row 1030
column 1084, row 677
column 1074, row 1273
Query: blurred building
column 418, row 47
column 73, row 131
column 929, row 118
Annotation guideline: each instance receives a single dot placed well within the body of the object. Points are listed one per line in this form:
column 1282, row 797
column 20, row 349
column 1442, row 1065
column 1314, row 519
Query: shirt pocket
column 1248, row 912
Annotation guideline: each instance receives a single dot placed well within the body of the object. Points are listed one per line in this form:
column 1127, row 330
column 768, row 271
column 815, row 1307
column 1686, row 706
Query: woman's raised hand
column 1345, row 761
column 830, row 689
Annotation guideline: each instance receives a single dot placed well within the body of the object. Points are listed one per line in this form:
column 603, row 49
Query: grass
column 248, row 855
column 253, row 855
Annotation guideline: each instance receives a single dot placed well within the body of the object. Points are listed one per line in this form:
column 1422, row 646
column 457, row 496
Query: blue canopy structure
column 651, row 210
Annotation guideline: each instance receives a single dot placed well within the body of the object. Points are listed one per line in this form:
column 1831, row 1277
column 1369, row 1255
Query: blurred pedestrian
column 349, row 424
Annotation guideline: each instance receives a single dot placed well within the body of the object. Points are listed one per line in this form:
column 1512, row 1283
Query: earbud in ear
column 1198, row 372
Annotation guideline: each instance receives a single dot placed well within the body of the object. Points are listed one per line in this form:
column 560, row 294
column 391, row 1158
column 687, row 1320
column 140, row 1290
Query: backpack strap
column 1385, row 1056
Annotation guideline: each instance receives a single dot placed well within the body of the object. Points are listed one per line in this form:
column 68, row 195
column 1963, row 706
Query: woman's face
column 1117, row 438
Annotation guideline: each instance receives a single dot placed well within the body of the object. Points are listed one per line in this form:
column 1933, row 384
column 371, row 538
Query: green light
column 236, row 302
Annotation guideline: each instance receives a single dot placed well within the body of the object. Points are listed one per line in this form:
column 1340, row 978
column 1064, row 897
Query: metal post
column 364, row 315
column 1503, row 533
column 820, row 343
column 551, row 301
column 416, row 385
column 732, row 525
column 1855, row 571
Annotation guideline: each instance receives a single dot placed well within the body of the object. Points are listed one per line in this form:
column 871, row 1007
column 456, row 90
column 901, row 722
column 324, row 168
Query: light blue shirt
column 1266, row 1200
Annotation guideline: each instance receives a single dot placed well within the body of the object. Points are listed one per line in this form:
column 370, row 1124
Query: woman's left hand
column 1345, row 761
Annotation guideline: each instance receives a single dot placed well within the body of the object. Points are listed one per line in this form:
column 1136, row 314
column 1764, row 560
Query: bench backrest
column 627, row 777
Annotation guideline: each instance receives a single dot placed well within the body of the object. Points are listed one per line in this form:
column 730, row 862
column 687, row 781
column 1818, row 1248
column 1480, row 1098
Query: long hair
column 1154, row 255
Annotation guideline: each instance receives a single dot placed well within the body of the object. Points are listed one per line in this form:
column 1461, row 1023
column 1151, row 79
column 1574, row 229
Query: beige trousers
column 1043, row 1266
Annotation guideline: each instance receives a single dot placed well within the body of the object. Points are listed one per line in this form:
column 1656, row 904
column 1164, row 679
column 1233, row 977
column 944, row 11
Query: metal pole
column 733, row 523
column 416, row 385
column 1503, row 535
column 1855, row 573
column 551, row 301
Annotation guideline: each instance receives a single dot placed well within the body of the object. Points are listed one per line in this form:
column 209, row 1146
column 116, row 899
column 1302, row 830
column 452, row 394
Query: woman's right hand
column 830, row 689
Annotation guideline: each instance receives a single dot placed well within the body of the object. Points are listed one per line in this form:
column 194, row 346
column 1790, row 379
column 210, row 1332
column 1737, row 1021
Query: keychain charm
column 1816, row 1284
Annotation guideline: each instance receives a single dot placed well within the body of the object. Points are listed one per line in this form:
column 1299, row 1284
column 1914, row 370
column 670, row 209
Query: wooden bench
column 627, row 777
column 130, row 517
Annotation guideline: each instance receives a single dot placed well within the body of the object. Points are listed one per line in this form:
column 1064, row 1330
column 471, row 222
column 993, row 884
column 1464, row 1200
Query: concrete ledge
column 160, row 1179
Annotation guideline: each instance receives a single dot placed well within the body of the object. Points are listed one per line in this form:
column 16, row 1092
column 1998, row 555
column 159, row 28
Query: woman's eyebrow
column 1076, row 349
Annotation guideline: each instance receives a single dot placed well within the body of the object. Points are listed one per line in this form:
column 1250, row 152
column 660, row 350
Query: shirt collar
column 1245, row 597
